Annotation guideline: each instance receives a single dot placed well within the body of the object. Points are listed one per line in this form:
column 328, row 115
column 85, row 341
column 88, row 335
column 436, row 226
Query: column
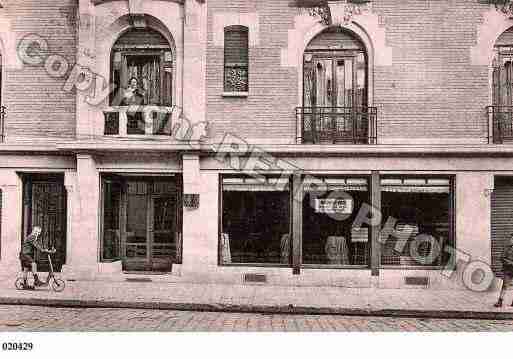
column 83, row 227
column 194, row 61
column 10, row 244
column 473, row 214
column 297, row 222
column 85, row 49
column 376, row 228
column 200, row 226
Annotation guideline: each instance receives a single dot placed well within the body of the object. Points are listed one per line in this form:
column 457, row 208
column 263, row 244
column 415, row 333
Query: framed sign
column 334, row 205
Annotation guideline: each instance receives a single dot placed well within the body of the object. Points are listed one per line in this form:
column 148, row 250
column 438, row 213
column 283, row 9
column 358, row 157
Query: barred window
column 236, row 42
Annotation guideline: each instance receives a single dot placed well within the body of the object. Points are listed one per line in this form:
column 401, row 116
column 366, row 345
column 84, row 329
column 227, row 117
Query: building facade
column 309, row 142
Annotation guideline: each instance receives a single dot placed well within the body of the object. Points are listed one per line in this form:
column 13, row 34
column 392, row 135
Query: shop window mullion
column 376, row 227
column 297, row 222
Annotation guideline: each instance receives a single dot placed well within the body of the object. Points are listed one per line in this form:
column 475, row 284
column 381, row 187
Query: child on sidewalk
column 507, row 269
column 28, row 264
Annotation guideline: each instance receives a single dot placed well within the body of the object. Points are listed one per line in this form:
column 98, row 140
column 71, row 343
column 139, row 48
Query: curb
column 261, row 309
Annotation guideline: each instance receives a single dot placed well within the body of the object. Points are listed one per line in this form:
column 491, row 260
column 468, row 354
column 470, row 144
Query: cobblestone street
column 29, row 318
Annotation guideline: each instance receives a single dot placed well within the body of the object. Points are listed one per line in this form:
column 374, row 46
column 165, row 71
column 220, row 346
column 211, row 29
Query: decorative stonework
column 321, row 12
column 493, row 25
column 504, row 6
column 338, row 12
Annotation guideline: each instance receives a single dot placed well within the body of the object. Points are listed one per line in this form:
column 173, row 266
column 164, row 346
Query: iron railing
column 356, row 125
column 500, row 124
column 138, row 120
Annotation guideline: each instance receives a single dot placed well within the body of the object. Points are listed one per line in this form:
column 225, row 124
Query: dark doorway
column 44, row 205
column 141, row 222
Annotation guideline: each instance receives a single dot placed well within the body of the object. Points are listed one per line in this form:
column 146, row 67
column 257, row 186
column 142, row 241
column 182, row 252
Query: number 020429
column 15, row 346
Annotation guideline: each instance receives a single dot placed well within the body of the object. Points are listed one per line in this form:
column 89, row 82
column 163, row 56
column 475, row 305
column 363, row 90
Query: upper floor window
column 335, row 83
column 142, row 69
column 236, row 59
column 501, row 109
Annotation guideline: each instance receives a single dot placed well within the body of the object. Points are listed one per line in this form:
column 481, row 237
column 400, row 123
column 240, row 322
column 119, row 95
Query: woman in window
column 133, row 94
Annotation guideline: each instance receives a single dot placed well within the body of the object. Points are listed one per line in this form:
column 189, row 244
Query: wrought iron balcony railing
column 138, row 120
column 500, row 124
column 356, row 125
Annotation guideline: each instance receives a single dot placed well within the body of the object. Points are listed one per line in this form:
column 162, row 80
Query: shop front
column 315, row 222
column 141, row 221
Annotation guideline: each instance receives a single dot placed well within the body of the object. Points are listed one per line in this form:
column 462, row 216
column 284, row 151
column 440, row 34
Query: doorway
column 141, row 222
column 44, row 205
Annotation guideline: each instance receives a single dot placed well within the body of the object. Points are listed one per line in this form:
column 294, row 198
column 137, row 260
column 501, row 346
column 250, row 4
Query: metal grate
column 337, row 124
column 138, row 279
column 254, row 278
column 420, row 281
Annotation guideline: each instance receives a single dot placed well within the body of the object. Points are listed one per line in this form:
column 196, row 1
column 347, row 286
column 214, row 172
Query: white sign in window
column 334, row 205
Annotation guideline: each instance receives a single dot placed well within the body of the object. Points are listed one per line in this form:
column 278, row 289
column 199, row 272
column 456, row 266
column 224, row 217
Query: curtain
column 147, row 71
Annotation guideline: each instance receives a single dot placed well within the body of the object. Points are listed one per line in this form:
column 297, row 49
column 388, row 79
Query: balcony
column 332, row 125
column 500, row 124
column 126, row 121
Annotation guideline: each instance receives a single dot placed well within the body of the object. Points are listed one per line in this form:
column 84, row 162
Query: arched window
column 502, row 88
column 142, row 65
column 335, row 86
column 236, row 59
column 146, row 56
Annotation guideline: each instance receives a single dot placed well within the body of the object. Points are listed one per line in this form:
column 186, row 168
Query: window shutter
column 236, row 58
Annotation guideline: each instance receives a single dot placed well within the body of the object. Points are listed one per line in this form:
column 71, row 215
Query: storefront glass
column 419, row 210
column 329, row 211
column 255, row 221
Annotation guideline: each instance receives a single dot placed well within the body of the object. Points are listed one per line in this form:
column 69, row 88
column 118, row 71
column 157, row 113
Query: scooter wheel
column 19, row 284
column 58, row 285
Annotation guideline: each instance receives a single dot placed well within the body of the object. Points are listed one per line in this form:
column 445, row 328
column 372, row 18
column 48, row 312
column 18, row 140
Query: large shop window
column 236, row 58
column 255, row 221
column 422, row 210
column 328, row 215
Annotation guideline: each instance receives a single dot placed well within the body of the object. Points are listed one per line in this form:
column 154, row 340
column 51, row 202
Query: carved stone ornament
column 504, row 6
column 336, row 12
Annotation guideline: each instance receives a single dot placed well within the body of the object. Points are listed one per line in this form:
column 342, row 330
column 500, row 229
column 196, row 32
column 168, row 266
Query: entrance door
column 147, row 222
column 334, row 89
column 45, row 206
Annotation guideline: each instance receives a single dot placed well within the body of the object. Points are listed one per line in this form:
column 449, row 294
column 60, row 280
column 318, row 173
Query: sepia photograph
column 278, row 168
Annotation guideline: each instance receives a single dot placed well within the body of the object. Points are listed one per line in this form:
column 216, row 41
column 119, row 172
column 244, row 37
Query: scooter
column 56, row 284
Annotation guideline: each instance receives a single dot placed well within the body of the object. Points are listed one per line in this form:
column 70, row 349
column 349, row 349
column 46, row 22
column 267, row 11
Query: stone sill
column 236, row 94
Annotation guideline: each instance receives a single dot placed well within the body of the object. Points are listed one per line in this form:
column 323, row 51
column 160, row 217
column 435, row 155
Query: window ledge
column 235, row 94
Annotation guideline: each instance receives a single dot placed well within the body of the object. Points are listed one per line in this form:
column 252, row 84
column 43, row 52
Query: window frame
column 220, row 263
column 241, row 29
column 302, row 265
column 451, row 240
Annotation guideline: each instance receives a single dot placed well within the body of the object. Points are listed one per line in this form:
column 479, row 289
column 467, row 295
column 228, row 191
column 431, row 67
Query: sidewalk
column 265, row 299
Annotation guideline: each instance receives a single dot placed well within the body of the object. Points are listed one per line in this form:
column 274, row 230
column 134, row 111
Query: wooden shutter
column 502, row 221
column 236, row 58
column 167, row 79
column 309, row 81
